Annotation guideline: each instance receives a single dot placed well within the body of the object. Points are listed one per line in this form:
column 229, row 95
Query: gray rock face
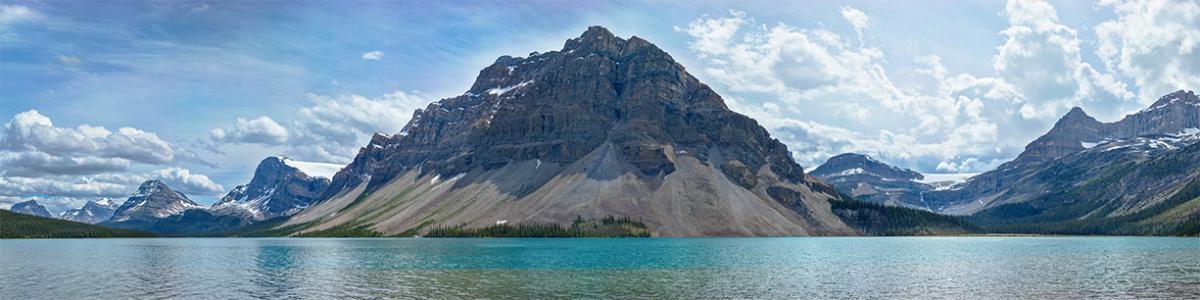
column 870, row 180
column 92, row 212
column 562, row 105
column 605, row 126
column 1172, row 116
column 153, row 200
column 276, row 190
column 30, row 207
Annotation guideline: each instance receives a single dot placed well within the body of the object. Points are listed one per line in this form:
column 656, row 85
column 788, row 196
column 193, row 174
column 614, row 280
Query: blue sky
column 936, row 86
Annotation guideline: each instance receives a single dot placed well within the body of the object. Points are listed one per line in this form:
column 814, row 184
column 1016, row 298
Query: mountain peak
column 151, row 186
column 853, row 164
column 597, row 32
column 1074, row 116
column 596, row 40
column 30, row 207
column 1175, row 98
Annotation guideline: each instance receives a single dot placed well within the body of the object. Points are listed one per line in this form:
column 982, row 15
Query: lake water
column 822, row 268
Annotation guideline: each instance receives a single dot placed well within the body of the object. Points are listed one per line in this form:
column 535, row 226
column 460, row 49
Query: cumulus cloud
column 32, row 145
column 1042, row 58
column 1156, row 44
column 184, row 180
column 113, row 185
column 260, row 130
column 334, row 127
column 373, row 55
column 802, row 80
column 68, row 166
column 330, row 129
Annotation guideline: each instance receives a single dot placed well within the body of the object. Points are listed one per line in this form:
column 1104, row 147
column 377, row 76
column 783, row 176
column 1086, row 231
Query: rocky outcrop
column 276, row 190
column 91, row 212
column 604, row 126
column 30, row 207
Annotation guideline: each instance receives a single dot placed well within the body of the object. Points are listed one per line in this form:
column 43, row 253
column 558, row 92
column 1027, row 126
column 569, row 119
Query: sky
column 98, row 96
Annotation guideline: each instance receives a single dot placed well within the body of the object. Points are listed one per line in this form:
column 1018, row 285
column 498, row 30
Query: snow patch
column 316, row 169
column 502, row 90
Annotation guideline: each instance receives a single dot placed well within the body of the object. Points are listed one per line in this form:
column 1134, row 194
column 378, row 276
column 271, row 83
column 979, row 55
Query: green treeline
column 878, row 219
column 605, row 227
column 19, row 226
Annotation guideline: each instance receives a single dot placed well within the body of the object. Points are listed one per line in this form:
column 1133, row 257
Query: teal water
column 704, row 268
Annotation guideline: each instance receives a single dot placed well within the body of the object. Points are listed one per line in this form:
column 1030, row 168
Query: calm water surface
column 904, row 267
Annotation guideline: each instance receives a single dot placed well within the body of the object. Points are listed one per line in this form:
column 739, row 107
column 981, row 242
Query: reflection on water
column 910, row 267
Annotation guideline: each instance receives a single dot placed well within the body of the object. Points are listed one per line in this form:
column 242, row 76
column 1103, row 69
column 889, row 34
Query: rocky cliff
column 277, row 189
column 605, row 126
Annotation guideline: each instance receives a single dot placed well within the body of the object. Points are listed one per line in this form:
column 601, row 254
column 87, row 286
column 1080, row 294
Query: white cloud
column 373, row 55
column 67, row 166
column 185, row 181
column 41, row 147
column 1042, row 58
column 712, row 35
column 330, row 130
column 33, row 163
column 803, row 80
column 260, row 130
column 334, row 127
column 12, row 14
column 1156, row 44
column 857, row 18
column 114, row 185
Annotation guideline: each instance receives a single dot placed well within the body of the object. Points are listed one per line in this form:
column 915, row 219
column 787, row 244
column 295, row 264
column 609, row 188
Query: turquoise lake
column 687, row 268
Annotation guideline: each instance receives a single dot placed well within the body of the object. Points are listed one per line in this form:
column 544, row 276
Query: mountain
column 1138, row 175
column 156, row 208
column 870, row 180
column 1172, row 116
column 153, row 200
column 92, row 212
column 606, row 128
column 21, row 226
column 30, row 207
column 277, row 189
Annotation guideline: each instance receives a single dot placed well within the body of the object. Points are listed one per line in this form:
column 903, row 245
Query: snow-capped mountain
column 91, row 212
column 153, row 200
column 1086, row 176
column 30, row 207
column 280, row 187
column 1170, row 120
column 870, row 180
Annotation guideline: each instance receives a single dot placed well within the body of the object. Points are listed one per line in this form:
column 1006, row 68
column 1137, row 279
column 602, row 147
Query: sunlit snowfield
column 852, row 267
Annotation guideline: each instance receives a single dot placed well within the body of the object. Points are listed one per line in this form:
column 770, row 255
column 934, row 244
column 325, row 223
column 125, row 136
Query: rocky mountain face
column 277, row 189
column 92, row 212
column 870, row 180
column 604, row 127
column 30, row 207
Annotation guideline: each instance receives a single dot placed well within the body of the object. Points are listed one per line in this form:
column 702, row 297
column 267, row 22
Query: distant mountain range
column 92, row 212
column 1139, row 175
column 611, row 137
